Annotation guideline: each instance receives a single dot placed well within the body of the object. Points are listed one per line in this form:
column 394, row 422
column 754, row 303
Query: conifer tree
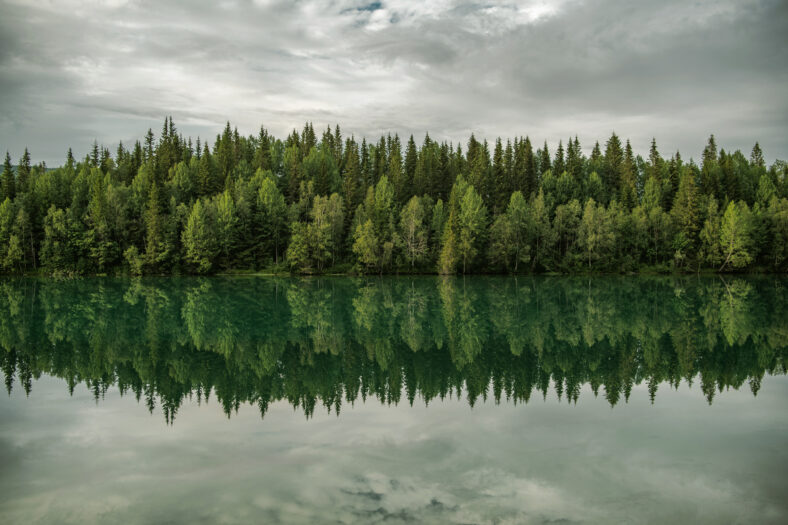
column 710, row 170
column 544, row 159
column 627, row 178
column 8, row 181
column 499, row 179
column 558, row 164
column 155, row 247
column 614, row 158
column 272, row 217
column 686, row 216
column 411, row 162
column 23, row 173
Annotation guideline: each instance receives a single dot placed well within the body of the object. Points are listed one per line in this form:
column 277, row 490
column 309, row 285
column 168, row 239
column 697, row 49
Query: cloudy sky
column 72, row 71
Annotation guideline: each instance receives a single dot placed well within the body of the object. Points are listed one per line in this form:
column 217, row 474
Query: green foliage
column 7, row 180
column 310, row 246
column 441, row 207
column 226, row 217
column 135, row 261
column 56, row 248
column 596, row 235
column 374, row 234
column 735, row 231
column 509, row 235
column 710, row 249
column 331, row 342
column 200, row 239
column 320, row 167
column 272, row 214
column 472, row 227
column 413, row 231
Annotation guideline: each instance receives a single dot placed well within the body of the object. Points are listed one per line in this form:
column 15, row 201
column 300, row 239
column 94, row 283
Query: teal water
column 396, row 400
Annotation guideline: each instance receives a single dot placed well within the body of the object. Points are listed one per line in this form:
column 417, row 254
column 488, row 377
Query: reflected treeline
column 332, row 341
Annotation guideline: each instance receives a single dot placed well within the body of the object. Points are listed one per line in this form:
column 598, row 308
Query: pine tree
column 544, row 159
column 686, row 216
column 654, row 162
column 558, row 164
column 352, row 182
column 611, row 173
column 627, row 179
column 756, row 157
column 207, row 175
column 710, row 236
column 402, row 187
column 710, row 170
column 411, row 162
column 8, row 181
column 98, row 241
column 574, row 160
column 148, row 151
column 500, row 179
column 320, row 168
column 23, row 173
column 155, row 247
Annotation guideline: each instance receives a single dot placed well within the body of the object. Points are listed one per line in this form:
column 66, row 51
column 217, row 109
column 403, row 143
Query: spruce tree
column 544, row 159
column 23, row 173
column 8, row 182
column 611, row 173
column 499, row 179
column 558, row 164
column 411, row 162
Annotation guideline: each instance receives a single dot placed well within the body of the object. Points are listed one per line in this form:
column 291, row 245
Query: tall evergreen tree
column 8, row 181
column 611, row 174
column 544, row 159
column 559, row 166
column 23, row 173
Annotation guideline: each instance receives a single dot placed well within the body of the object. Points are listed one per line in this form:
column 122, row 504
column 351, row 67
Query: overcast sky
column 72, row 71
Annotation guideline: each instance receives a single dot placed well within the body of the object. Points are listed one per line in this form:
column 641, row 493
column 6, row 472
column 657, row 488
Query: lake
column 394, row 399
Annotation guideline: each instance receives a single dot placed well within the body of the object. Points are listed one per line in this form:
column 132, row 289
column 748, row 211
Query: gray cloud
column 75, row 70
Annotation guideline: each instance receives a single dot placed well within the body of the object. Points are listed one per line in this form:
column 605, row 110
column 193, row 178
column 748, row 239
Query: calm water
column 424, row 400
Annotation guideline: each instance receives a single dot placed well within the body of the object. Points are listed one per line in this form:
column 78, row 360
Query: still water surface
column 396, row 400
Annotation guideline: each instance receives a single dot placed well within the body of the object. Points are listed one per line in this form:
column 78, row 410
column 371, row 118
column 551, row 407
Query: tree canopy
column 312, row 203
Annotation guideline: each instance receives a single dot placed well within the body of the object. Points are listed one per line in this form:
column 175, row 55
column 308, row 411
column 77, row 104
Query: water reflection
column 333, row 341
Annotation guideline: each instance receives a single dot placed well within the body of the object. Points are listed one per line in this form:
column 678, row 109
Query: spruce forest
column 305, row 204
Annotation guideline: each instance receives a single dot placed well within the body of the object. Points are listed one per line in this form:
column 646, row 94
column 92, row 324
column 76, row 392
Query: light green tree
column 509, row 234
column 226, row 217
column 735, row 231
column 710, row 236
column 539, row 231
column 595, row 234
column 413, row 231
column 272, row 217
column 473, row 225
column 200, row 237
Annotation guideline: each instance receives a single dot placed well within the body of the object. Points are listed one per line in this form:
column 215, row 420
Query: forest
column 170, row 205
column 335, row 341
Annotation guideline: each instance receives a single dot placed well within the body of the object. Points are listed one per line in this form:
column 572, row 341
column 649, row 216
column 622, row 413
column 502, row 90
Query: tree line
column 169, row 205
column 327, row 342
